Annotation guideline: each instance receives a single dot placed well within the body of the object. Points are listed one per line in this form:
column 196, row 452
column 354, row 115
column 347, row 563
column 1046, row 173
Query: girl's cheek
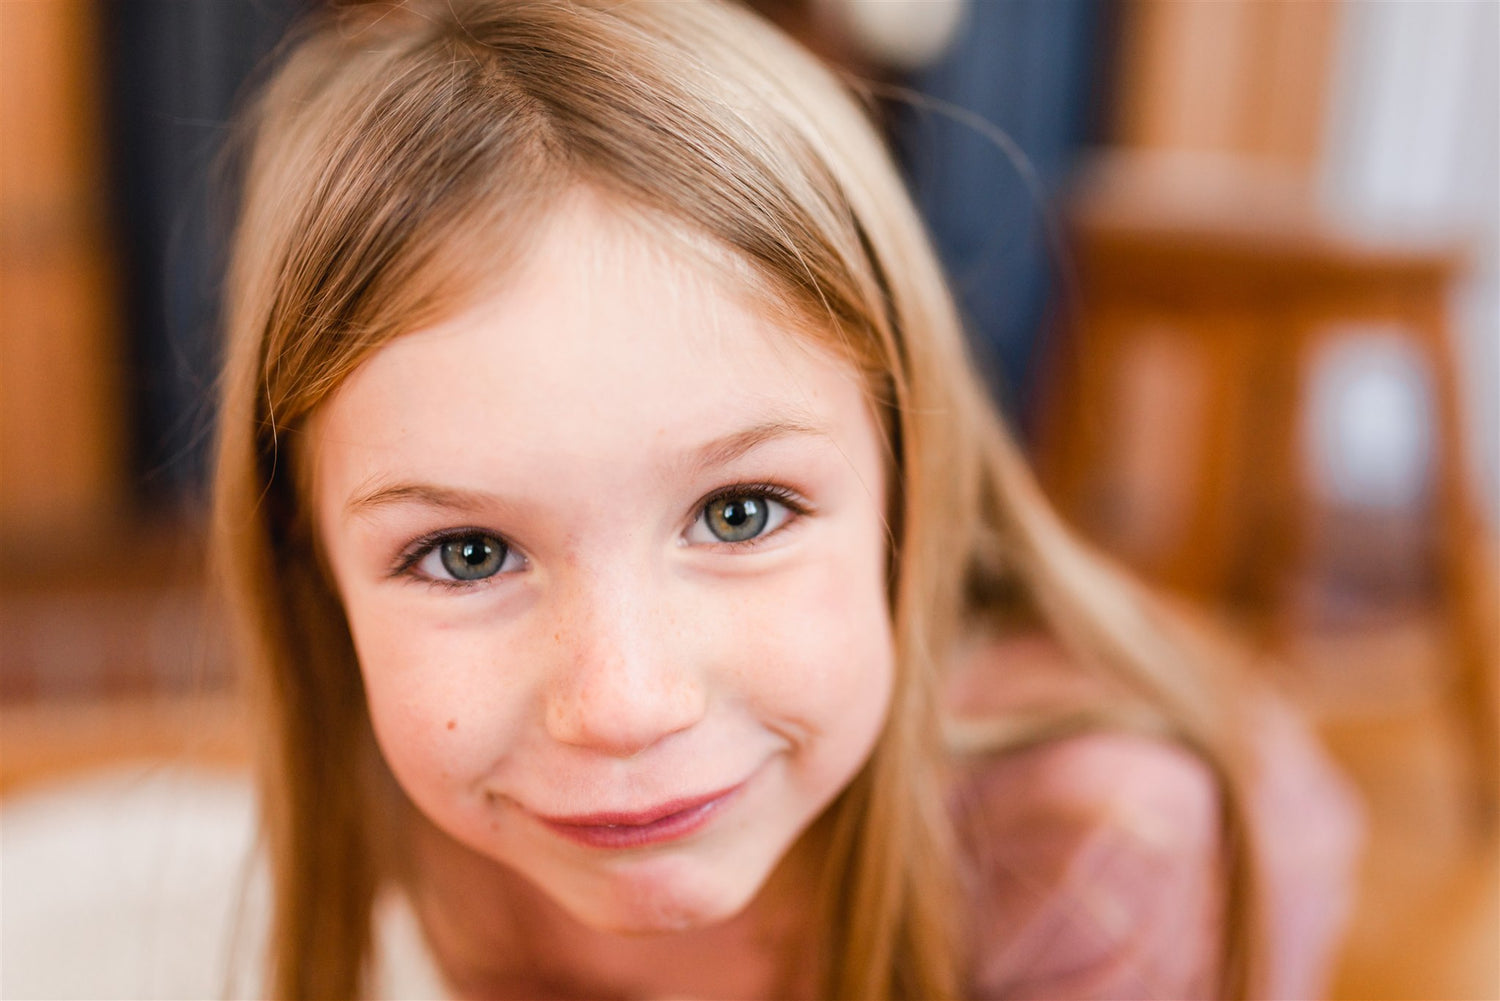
column 438, row 700
column 819, row 644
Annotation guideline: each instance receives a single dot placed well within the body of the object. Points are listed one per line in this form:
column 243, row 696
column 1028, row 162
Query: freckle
column 453, row 724
column 557, row 637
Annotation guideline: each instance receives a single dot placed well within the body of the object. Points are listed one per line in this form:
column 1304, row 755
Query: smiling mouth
column 668, row 822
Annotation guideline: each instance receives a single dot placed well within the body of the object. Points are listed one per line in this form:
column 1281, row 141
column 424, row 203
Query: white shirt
column 144, row 882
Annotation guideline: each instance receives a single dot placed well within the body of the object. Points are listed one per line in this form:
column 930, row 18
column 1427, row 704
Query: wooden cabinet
column 1247, row 78
column 63, row 434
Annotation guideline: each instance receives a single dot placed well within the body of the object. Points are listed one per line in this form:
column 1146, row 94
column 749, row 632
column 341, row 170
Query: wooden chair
column 1172, row 432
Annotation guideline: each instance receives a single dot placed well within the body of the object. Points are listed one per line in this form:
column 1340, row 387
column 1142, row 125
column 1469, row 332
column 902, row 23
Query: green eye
column 737, row 519
column 472, row 557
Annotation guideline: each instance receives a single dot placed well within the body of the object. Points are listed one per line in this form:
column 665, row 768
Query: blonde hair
column 400, row 155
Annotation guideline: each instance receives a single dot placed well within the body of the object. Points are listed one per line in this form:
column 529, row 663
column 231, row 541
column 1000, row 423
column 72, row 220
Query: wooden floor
column 1427, row 926
column 1427, row 923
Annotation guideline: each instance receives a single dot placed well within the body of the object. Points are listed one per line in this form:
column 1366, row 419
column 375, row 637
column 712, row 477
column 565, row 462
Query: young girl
column 639, row 590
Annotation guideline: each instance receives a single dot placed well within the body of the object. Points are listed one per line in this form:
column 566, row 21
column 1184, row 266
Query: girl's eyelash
column 791, row 499
column 775, row 491
column 418, row 548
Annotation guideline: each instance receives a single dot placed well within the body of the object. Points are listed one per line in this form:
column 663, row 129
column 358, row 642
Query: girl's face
column 613, row 553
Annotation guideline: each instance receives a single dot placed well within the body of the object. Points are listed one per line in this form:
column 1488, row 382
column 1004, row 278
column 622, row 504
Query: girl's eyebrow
column 426, row 494
column 735, row 444
column 718, row 452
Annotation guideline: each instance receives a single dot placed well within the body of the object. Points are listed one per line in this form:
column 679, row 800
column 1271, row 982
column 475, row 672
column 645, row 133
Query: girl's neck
column 494, row 935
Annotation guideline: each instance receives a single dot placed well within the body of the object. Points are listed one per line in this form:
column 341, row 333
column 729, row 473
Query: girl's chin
column 648, row 926
column 658, row 910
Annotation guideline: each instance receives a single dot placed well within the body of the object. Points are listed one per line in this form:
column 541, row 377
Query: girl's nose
column 625, row 678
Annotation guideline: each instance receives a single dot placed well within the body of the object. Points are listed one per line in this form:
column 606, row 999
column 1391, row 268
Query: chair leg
column 1475, row 691
column 1469, row 564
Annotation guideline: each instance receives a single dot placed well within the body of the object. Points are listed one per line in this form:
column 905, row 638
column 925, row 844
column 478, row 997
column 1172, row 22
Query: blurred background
column 1232, row 268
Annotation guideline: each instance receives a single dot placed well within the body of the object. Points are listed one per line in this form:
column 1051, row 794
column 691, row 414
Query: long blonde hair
column 399, row 156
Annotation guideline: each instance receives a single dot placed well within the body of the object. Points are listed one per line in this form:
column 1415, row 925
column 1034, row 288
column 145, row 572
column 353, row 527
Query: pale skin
column 672, row 509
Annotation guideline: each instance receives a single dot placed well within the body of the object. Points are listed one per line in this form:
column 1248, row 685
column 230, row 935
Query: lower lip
column 672, row 827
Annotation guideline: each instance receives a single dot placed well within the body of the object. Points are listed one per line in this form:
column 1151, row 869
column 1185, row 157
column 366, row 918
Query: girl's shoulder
column 1096, row 865
column 1094, row 870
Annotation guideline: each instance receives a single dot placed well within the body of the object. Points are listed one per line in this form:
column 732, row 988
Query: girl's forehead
column 620, row 278
column 596, row 234
column 610, row 326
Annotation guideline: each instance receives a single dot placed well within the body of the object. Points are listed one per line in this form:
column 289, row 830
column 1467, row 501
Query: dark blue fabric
column 1031, row 68
column 173, row 71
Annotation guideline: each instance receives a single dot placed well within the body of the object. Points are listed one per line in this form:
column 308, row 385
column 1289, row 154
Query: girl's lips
column 667, row 822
